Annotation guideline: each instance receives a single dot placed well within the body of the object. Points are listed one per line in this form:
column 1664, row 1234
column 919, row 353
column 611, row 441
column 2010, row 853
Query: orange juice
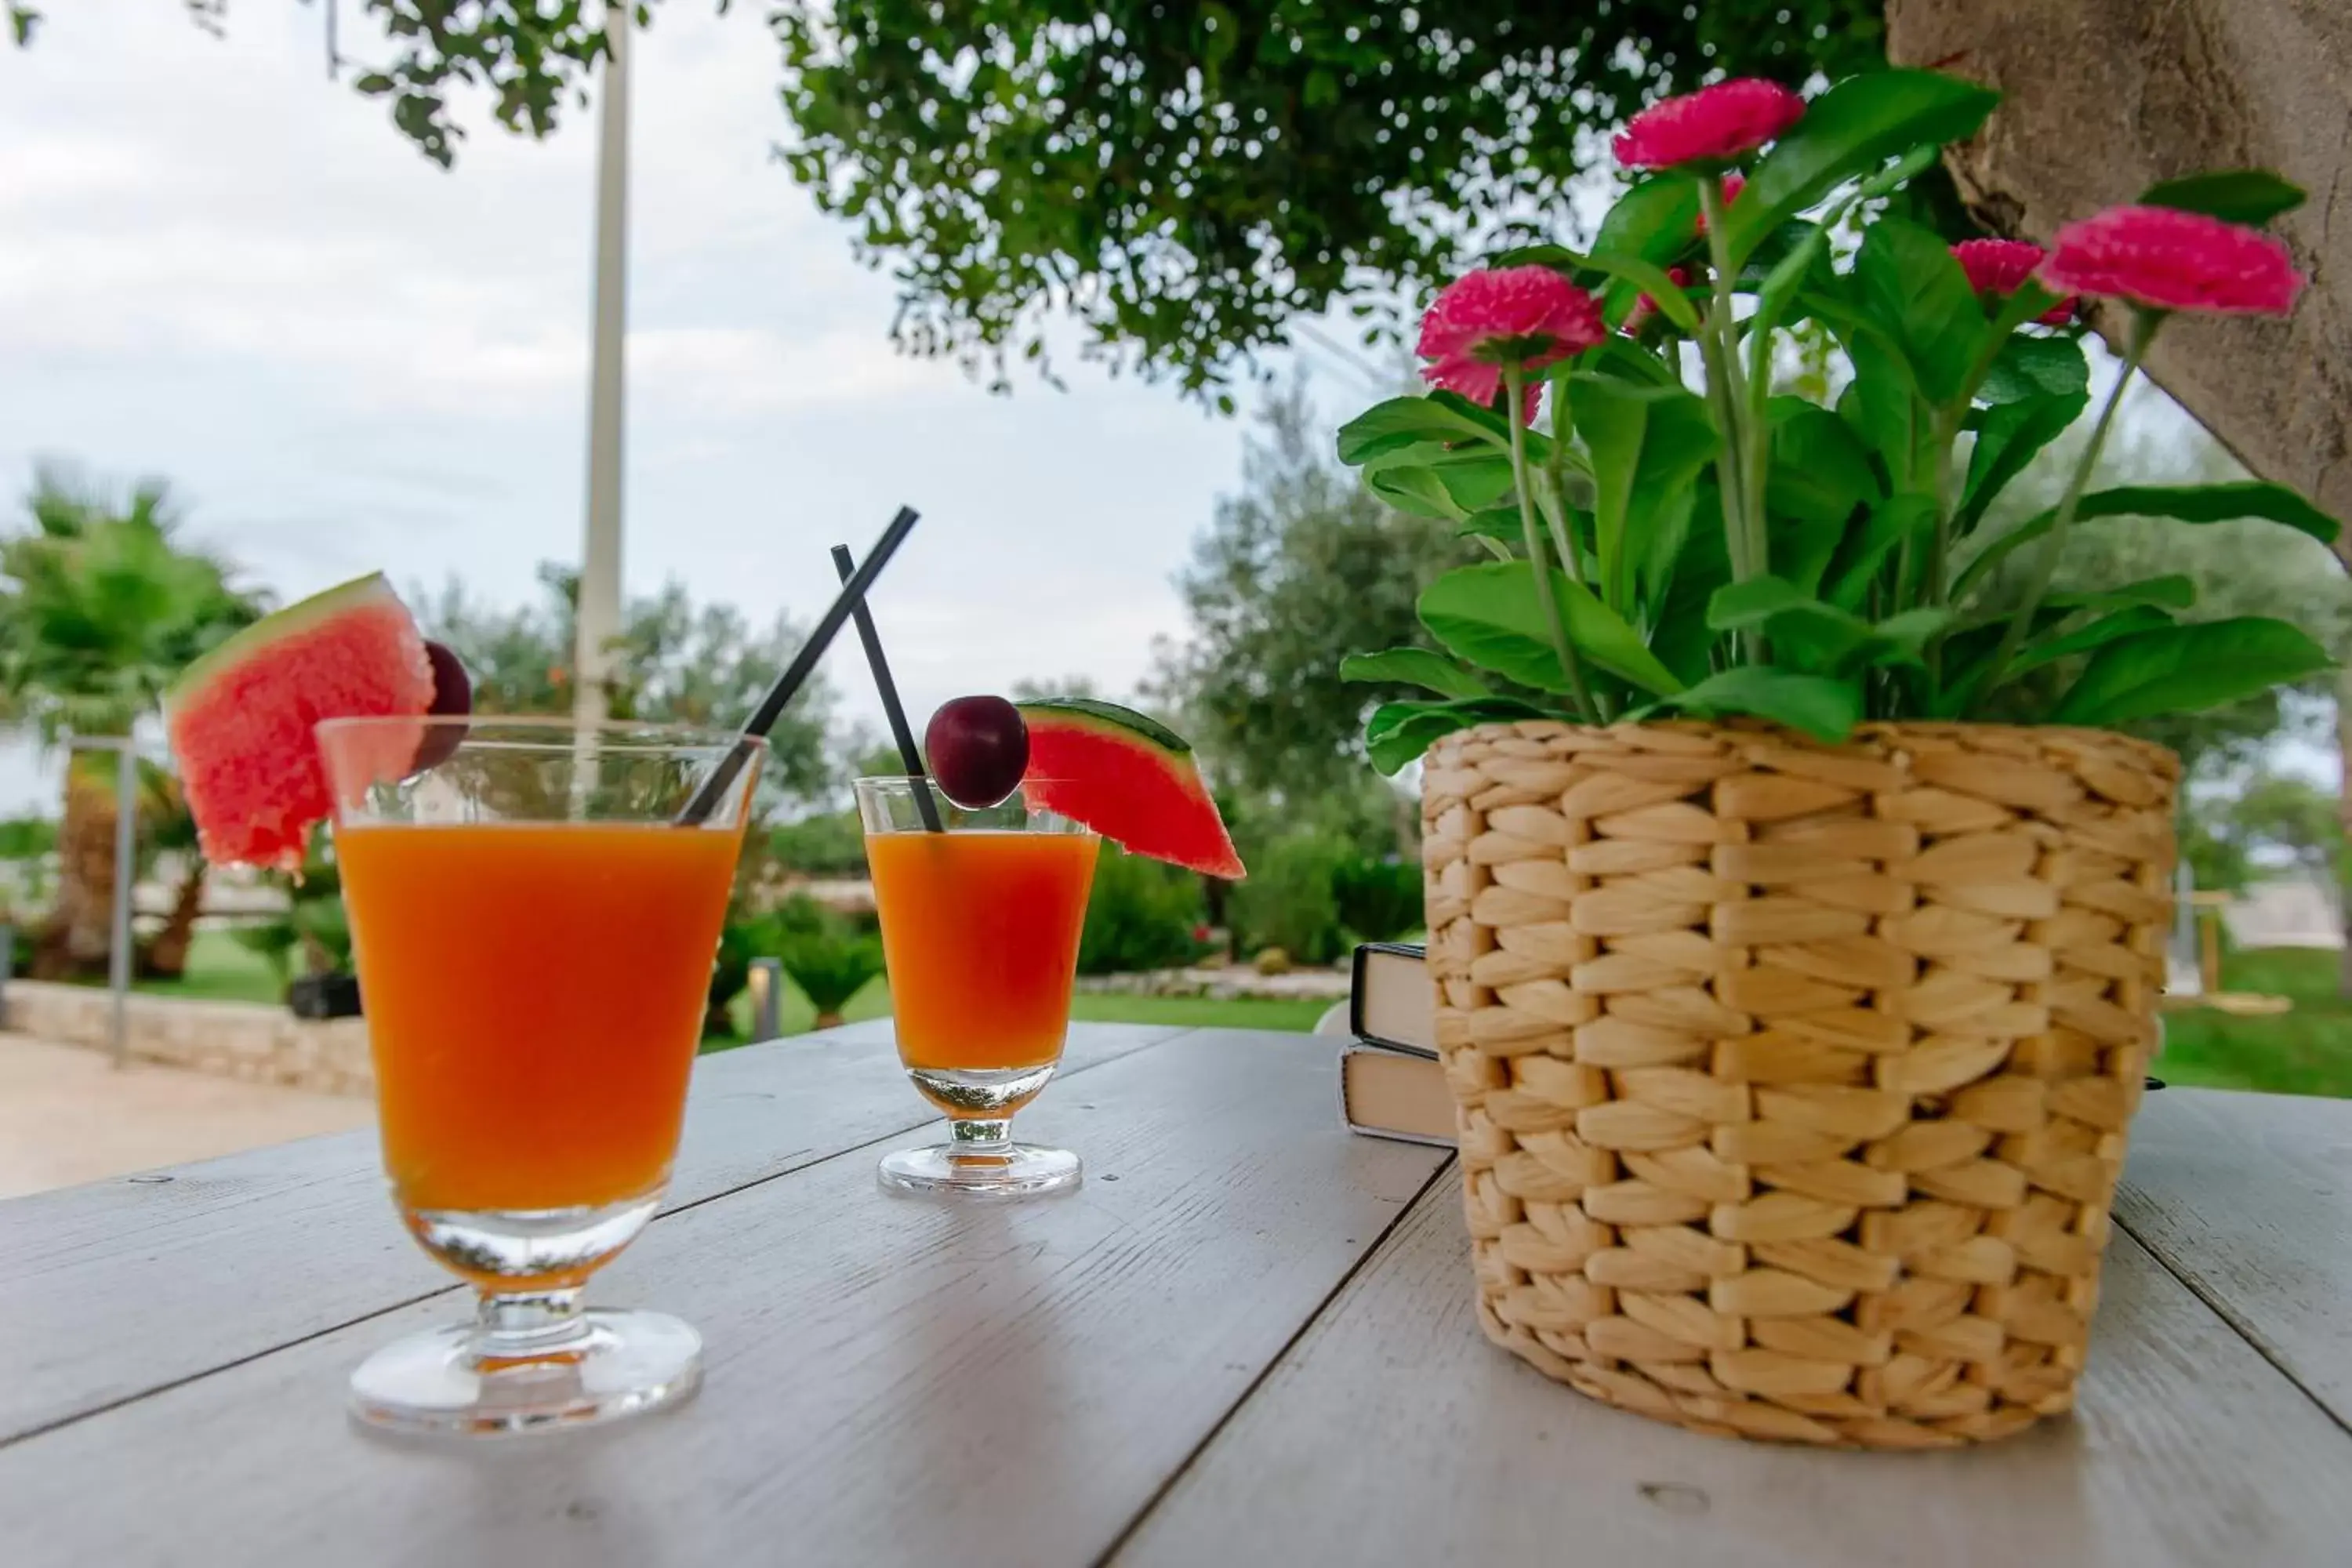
column 979, row 932
column 534, row 996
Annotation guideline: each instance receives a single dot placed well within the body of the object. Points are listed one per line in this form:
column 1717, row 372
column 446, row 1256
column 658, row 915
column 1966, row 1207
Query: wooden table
column 1247, row 1340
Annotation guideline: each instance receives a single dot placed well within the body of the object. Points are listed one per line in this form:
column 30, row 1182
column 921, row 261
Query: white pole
column 600, row 559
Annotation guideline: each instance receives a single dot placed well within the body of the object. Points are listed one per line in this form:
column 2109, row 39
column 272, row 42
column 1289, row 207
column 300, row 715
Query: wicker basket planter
column 1794, row 1078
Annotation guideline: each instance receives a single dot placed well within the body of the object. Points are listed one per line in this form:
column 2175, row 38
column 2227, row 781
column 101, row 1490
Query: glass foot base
column 1005, row 1171
column 624, row 1362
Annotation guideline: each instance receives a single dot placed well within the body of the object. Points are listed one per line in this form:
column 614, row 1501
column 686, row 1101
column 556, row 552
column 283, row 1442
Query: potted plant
column 1796, row 907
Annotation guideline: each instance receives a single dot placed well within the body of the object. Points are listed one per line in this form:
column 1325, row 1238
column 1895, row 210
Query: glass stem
column 981, row 1135
column 527, row 1325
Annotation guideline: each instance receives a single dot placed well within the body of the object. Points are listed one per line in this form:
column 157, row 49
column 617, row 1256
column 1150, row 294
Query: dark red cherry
column 979, row 747
column 453, row 696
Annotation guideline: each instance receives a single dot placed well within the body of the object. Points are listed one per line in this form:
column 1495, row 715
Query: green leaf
column 1672, row 303
column 2008, row 435
column 1820, row 706
column 1864, row 551
column 1399, row 734
column 1647, row 445
column 2026, row 366
column 1415, row 667
column 1657, row 220
column 1404, row 422
column 1820, row 637
column 1678, row 587
column 2129, row 621
column 2182, row 503
column 2186, row 669
column 1820, row 475
column 1497, row 522
column 1490, row 616
column 1847, row 133
column 1880, row 407
column 1753, row 601
column 2234, row 195
column 1448, row 483
column 1909, row 282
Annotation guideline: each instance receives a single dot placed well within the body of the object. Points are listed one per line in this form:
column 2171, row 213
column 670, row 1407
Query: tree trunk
column 827, row 1021
column 2103, row 98
column 167, row 956
column 80, row 930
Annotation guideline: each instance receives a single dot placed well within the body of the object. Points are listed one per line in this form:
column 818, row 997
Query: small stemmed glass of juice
column 534, row 932
column 980, row 916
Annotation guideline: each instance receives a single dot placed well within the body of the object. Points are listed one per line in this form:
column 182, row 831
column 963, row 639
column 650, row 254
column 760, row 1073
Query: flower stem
column 1523, row 481
column 1738, row 471
column 2054, row 543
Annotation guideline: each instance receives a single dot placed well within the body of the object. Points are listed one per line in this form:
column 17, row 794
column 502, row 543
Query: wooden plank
column 118, row 1287
column 890, row 1379
column 2248, row 1197
column 1394, row 1432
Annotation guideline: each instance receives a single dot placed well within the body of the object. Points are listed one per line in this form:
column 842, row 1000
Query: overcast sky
column 218, row 267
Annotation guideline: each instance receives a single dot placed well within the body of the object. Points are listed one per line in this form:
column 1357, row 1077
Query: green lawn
column 2306, row 1051
column 220, row 970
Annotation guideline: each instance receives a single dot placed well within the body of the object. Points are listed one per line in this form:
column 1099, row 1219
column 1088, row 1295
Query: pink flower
column 1644, row 307
column 1998, row 267
column 1733, row 183
column 1527, row 316
column 2171, row 260
column 1713, row 125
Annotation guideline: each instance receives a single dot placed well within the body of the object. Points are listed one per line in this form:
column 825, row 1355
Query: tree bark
column 80, row 930
column 166, row 957
column 2103, row 98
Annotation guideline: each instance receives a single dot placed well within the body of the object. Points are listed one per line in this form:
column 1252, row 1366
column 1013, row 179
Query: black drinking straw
column 788, row 685
column 892, row 708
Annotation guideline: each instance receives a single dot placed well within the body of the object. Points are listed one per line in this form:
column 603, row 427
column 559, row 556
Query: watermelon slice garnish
column 240, row 719
column 1128, row 778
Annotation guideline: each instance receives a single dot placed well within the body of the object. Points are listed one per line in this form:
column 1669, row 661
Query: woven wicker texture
column 1793, row 1078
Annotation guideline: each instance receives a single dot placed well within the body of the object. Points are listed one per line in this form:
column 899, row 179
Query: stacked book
column 1390, row 1085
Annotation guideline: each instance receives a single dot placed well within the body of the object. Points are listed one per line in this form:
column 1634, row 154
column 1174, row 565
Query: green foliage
column 829, row 962
column 1749, row 552
column 675, row 663
column 824, row 844
column 101, row 607
column 1140, row 915
column 1379, row 898
column 1291, row 898
column 28, row 838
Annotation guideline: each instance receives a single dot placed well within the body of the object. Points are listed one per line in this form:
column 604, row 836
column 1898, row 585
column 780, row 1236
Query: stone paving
column 67, row 1116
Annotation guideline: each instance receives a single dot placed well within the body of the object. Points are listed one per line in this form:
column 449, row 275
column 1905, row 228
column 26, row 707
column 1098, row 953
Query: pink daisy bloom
column 2171, row 260
column 1528, row 316
column 1998, row 267
column 1713, row 125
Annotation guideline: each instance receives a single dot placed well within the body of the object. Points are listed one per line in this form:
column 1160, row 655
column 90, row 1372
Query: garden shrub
column 1142, row 915
column 1379, row 900
column 1290, row 902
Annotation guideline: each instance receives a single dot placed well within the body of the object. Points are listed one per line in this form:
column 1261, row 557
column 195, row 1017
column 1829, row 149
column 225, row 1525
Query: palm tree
column 100, row 606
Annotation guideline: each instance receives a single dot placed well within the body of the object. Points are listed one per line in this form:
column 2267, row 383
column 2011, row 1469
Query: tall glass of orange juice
column 980, row 935
column 534, row 933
